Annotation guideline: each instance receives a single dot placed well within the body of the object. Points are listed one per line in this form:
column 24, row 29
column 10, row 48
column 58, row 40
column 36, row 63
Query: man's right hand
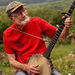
column 32, row 69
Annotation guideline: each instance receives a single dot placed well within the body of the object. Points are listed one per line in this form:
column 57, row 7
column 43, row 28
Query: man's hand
column 32, row 69
column 68, row 22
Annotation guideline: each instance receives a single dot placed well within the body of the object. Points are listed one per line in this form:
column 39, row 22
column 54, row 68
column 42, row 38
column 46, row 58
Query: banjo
column 45, row 64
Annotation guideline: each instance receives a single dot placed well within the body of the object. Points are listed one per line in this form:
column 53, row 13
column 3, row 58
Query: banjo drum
column 45, row 66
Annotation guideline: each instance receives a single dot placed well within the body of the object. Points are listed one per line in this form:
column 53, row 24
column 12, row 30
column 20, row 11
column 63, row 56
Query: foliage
column 40, row 12
column 4, row 23
column 1, row 46
column 5, row 2
column 72, row 29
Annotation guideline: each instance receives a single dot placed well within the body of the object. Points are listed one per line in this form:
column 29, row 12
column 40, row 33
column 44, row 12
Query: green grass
column 60, row 57
column 4, row 65
column 65, row 65
column 7, row 71
column 61, row 51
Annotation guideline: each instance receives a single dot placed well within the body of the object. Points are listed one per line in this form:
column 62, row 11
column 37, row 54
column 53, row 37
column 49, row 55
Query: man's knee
column 21, row 73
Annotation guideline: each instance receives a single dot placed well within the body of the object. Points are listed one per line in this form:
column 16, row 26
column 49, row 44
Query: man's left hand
column 68, row 22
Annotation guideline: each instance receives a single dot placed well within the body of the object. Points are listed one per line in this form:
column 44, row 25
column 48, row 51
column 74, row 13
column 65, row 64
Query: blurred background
column 63, row 54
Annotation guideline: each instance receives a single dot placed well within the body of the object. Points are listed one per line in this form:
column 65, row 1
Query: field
column 63, row 57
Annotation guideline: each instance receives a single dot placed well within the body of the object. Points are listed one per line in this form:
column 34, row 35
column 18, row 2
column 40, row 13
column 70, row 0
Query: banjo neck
column 58, row 32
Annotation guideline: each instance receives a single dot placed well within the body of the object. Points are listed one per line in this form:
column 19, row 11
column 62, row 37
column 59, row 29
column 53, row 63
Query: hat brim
column 16, row 8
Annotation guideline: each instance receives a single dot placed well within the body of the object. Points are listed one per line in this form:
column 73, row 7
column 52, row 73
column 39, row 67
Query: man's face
column 20, row 16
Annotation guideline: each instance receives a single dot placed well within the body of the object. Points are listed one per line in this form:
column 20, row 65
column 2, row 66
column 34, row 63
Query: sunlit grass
column 62, row 50
column 64, row 63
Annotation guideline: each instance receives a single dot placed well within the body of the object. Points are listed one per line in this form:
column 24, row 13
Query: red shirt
column 25, row 45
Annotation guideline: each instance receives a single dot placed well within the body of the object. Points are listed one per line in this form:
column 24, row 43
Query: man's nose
column 23, row 14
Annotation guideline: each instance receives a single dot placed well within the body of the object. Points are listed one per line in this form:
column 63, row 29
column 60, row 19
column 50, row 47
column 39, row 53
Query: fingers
column 68, row 22
column 35, row 66
column 69, row 18
column 34, row 70
column 63, row 17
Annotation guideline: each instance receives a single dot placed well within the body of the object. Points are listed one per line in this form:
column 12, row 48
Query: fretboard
column 58, row 32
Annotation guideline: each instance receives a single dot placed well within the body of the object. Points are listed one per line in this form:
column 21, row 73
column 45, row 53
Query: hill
column 52, row 4
column 6, row 2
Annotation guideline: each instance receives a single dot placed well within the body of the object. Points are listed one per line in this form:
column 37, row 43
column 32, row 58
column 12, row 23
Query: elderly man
column 24, row 38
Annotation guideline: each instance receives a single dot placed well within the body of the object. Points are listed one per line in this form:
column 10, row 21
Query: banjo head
column 44, row 65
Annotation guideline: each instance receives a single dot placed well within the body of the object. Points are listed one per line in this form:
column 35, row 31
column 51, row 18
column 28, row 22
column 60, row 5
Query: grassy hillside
column 6, row 2
column 52, row 5
column 63, row 57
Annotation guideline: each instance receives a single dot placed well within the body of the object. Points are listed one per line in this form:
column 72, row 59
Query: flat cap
column 13, row 6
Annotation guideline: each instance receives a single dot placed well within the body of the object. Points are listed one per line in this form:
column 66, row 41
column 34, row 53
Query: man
column 24, row 38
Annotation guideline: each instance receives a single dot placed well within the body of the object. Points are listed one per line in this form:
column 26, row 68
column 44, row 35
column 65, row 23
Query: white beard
column 23, row 23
